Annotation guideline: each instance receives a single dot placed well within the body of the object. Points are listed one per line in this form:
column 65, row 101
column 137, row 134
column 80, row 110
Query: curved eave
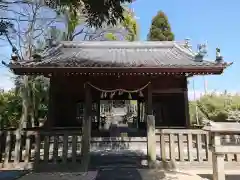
column 218, row 69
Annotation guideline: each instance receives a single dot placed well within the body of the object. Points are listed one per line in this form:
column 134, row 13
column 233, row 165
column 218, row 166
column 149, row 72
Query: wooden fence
column 31, row 147
column 63, row 146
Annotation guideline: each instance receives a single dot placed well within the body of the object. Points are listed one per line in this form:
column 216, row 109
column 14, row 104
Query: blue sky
column 216, row 22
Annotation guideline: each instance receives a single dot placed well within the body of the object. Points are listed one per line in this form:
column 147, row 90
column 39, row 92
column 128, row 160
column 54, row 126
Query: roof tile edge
column 118, row 44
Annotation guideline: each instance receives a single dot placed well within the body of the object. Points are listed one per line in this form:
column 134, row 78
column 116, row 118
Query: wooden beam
column 86, row 132
column 51, row 105
column 216, row 69
column 149, row 100
column 186, row 108
column 168, row 91
column 186, row 104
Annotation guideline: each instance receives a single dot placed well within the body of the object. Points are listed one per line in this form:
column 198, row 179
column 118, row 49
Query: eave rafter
column 118, row 72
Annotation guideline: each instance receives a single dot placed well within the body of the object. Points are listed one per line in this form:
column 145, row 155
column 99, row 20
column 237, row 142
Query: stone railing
column 224, row 139
column 64, row 146
column 33, row 146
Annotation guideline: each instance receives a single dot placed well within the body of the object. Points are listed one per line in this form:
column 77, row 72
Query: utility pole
column 205, row 85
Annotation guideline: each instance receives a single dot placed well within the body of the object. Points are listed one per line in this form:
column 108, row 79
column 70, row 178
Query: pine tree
column 160, row 29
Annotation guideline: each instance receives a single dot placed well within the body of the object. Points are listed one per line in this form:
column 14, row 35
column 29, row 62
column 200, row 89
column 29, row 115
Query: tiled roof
column 119, row 54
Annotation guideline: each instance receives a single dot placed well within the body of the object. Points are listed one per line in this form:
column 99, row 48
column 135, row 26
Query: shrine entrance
column 118, row 119
column 86, row 76
column 119, row 113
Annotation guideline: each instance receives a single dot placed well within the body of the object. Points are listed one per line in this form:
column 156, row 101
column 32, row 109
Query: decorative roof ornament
column 14, row 55
column 187, row 43
column 52, row 38
column 201, row 51
column 219, row 58
column 37, row 57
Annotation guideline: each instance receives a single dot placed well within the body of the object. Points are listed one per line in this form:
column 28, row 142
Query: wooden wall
column 66, row 91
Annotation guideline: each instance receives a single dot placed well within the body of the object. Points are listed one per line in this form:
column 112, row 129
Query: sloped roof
column 118, row 54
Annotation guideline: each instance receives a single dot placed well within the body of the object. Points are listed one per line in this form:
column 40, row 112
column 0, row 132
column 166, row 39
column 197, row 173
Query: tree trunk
column 32, row 120
column 25, row 103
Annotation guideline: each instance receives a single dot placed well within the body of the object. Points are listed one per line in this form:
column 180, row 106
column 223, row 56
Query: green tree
column 23, row 41
column 10, row 109
column 76, row 26
column 33, row 90
column 196, row 116
column 34, row 93
column 130, row 24
column 125, row 30
column 160, row 29
column 214, row 107
column 96, row 12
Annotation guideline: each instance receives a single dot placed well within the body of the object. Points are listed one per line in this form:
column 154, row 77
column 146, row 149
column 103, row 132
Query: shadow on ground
column 117, row 165
column 104, row 165
column 124, row 158
column 11, row 174
column 109, row 165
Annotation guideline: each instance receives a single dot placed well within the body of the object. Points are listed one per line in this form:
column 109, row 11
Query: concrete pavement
column 118, row 165
column 228, row 177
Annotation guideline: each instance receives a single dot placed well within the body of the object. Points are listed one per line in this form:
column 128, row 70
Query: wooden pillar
column 138, row 113
column 186, row 108
column 51, row 105
column 86, row 129
column 149, row 100
column 186, row 103
column 151, row 139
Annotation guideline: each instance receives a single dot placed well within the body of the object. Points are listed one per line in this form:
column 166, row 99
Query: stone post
column 219, row 146
column 151, row 139
column 217, row 160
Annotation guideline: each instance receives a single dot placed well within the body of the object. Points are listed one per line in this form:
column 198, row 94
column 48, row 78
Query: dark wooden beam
column 51, row 105
column 149, row 100
column 186, row 108
column 169, row 91
column 120, row 70
column 86, row 135
column 186, row 104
